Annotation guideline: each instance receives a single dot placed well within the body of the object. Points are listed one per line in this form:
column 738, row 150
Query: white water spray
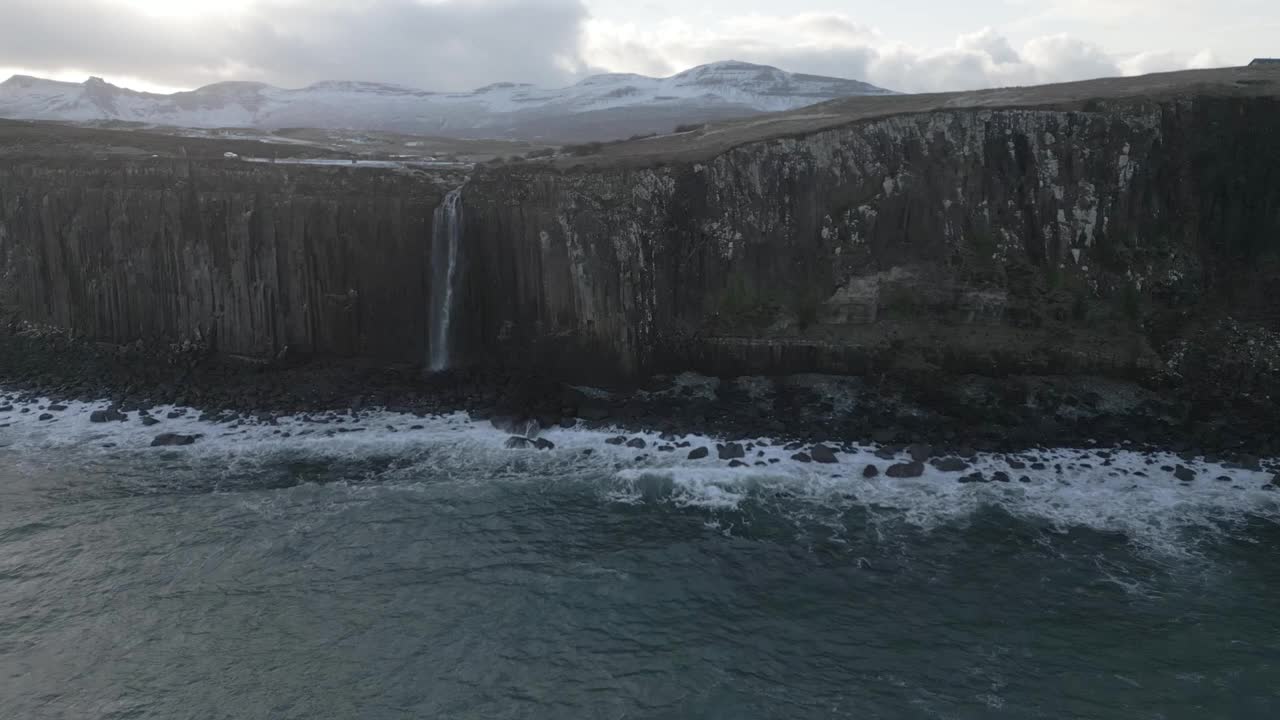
column 446, row 236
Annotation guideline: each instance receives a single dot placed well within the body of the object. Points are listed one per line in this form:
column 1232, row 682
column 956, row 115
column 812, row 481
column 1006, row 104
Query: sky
column 905, row 45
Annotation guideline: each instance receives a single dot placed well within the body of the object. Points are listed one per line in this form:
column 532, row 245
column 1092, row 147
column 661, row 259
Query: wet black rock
column 108, row 415
column 516, row 442
column 173, row 440
column 737, row 464
column 823, row 454
column 1223, row 478
column 802, row 457
column 731, row 451
column 56, row 408
column 951, row 465
column 544, row 444
column 975, row 477
column 619, row 440
column 148, row 421
column 1001, row 476
column 1038, row 466
column 1017, row 465
column 175, row 414
column 1184, row 473
column 920, row 452
column 637, row 443
column 6, row 408
column 870, row 471
column 886, row 453
column 699, row 453
column 45, row 416
column 905, row 470
column 1024, row 480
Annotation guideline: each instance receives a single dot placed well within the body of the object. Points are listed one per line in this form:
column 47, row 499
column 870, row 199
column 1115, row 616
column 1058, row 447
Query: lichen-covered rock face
column 241, row 259
column 971, row 240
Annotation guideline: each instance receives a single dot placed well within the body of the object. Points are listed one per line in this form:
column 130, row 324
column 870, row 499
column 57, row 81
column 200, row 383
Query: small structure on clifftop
column 1266, row 62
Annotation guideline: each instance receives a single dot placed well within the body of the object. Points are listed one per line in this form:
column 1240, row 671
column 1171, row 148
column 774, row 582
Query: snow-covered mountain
column 599, row 107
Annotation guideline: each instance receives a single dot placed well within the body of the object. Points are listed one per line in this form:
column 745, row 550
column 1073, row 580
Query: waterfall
column 446, row 234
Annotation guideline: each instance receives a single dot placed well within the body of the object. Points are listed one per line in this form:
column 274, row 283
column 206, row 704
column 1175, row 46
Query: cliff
column 1126, row 227
column 1090, row 228
column 242, row 258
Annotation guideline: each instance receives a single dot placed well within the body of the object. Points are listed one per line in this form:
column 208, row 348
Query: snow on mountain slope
column 708, row 92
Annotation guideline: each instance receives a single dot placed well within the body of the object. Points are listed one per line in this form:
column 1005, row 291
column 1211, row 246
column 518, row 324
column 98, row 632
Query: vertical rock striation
column 1073, row 240
column 245, row 259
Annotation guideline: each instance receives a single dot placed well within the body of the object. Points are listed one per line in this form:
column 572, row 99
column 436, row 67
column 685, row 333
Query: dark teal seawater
column 448, row 579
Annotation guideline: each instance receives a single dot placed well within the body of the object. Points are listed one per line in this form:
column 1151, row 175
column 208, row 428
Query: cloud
column 440, row 44
column 836, row 45
column 463, row 44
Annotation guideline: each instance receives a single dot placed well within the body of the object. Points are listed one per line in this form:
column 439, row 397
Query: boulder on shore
column 173, row 440
column 108, row 415
column 823, row 454
column 905, row 470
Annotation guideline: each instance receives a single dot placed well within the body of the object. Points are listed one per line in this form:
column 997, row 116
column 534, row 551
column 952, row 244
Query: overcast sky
column 908, row 45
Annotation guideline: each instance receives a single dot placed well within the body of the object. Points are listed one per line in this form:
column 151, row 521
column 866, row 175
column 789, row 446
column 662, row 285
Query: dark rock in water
column 802, row 457
column 1275, row 480
column 1224, row 478
column 57, row 408
column 1184, row 473
column 920, row 452
column 45, row 416
column 823, row 454
column 976, row 477
column 737, row 464
column 1001, row 476
column 731, row 451
column 793, row 446
column 173, row 440
column 619, row 440
column 666, row 448
column 870, row 471
column 588, row 452
column 1017, row 465
column 175, row 414
column 1024, row 480
column 148, row 421
column 951, row 465
column 699, row 453
column 417, row 427
column 885, row 453
column 6, row 408
column 108, row 415
column 516, row 442
column 544, row 444
column 1038, row 466
column 905, row 470
column 568, row 423
column 774, row 461
column 637, row 443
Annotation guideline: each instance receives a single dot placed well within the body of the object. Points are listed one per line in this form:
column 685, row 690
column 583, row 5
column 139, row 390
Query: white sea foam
column 1153, row 511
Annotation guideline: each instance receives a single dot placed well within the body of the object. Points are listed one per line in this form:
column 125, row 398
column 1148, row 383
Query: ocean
column 412, row 567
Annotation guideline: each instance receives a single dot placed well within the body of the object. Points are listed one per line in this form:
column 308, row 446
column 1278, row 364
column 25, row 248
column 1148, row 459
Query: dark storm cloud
column 451, row 44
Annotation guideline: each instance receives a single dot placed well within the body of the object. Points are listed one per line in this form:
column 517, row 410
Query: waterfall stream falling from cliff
column 446, row 236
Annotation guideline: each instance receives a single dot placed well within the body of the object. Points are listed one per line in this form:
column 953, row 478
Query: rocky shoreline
column 920, row 418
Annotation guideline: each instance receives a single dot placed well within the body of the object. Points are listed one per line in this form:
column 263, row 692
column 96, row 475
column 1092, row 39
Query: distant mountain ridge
column 599, row 107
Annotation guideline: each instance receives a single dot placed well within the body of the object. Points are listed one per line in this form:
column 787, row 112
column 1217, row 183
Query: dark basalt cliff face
column 1133, row 236
column 1107, row 239
column 240, row 258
